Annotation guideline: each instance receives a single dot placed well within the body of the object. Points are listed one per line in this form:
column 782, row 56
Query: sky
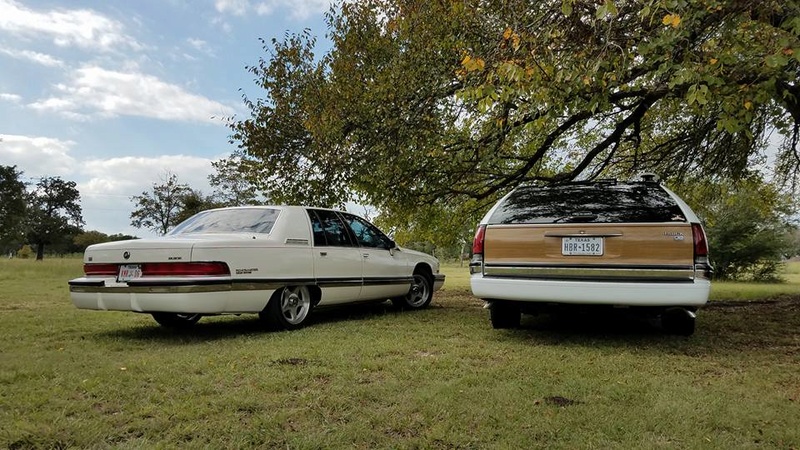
column 114, row 94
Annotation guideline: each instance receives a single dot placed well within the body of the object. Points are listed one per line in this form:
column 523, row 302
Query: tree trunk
column 39, row 251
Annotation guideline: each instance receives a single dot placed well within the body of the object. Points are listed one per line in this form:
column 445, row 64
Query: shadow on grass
column 769, row 325
column 236, row 326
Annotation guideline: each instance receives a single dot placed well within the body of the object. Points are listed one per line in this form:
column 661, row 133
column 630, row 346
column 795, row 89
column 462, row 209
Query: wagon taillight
column 476, row 262
column 700, row 243
column 701, row 263
column 477, row 242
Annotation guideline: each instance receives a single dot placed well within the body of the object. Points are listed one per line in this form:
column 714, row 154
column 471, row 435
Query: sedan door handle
column 365, row 255
column 323, row 253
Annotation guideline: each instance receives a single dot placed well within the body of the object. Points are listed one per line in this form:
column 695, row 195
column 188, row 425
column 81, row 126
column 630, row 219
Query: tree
column 749, row 226
column 192, row 202
column 12, row 208
column 159, row 208
column 87, row 238
column 54, row 212
column 419, row 102
column 230, row 187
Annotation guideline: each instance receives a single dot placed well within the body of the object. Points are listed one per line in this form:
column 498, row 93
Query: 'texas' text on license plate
column 582, row 246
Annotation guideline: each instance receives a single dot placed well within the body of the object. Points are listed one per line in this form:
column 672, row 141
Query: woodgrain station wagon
column 632, row 245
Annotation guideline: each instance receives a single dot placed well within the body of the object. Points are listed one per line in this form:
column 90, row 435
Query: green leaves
column 697, row 94
column 420, row 102
column 608, row 8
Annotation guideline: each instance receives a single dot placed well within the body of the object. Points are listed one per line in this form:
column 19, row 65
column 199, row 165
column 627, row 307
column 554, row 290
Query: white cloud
column 83, row 28
column 38, row 58
column 131, row 175
column 200, row 45
column 13, row 98
column 95, row 91
column 37, row 156
column 298, row 9
column 235, row 7
column 110, row 183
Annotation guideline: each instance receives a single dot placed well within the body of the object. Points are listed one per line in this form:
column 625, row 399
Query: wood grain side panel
column 650, row 244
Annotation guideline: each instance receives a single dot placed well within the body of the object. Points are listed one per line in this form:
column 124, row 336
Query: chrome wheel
column 419, row 295
column 295, row 305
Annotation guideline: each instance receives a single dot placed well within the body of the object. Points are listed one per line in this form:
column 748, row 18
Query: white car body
column 258, row 266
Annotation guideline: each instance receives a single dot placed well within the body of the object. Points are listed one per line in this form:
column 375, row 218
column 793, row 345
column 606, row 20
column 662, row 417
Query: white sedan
column 277, row 261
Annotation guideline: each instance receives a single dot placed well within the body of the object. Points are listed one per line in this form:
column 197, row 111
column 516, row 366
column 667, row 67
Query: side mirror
column 391, row 246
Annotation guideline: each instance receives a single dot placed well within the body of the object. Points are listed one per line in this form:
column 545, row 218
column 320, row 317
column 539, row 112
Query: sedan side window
column 334, row 229
column 316, row 227
column 367, row 234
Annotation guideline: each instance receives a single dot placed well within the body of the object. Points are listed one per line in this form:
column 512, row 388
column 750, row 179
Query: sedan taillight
column 100, row 270
column 190, row 269
column 185, row 269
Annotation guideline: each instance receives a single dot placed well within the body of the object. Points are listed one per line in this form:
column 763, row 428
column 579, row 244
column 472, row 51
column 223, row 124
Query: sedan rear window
column 240, row 220
column 589, row 202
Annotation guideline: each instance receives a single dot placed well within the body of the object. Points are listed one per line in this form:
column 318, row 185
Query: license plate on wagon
column 582, row 246
column 129, row 272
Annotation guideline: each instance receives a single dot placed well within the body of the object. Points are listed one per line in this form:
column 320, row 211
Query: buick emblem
column 126, row 255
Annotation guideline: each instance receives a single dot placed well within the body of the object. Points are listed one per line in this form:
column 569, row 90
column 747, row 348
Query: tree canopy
column 159, row 208
column 13, row 206
column 420, row 102
column 54, row 213
column 749, row 224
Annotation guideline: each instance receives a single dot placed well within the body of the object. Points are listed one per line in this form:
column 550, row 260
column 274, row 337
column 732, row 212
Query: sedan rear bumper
column 201, row 296
column 592, row 292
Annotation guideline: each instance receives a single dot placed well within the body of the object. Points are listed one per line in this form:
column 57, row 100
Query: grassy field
column 372, row 377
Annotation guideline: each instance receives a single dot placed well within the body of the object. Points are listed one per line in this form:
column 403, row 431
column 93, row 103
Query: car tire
column 419, row 295
column 176, row 320
column 288, row 308
column 678, row 321
column 504, row 315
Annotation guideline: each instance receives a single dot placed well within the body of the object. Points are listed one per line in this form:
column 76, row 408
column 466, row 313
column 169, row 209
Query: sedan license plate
column 582, row 246
column 129, row 272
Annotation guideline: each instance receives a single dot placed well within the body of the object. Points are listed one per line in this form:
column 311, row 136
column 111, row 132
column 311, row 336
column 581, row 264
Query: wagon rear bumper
column 693, row 293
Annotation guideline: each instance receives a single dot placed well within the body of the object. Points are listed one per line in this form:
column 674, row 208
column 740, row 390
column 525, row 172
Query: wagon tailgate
column 661, row 250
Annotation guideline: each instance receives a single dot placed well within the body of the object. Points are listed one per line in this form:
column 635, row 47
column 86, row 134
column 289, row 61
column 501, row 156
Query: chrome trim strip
column 377, row 281
column 151, row 286
column 610, row 273
column 593, row 234
column 597, row 266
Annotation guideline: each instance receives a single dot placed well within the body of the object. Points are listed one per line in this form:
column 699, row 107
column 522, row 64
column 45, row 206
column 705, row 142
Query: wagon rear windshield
column 584, row 203
column 239, row 220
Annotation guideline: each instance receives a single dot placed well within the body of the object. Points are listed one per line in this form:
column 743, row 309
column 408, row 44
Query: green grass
column 372, row 377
